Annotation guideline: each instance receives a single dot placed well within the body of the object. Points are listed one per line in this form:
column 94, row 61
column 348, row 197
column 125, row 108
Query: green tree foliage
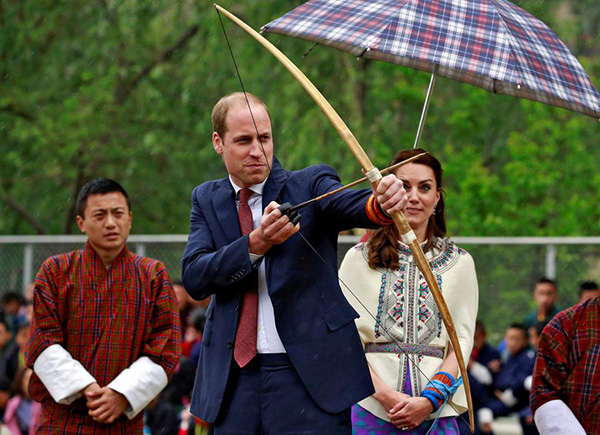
column 124, row 89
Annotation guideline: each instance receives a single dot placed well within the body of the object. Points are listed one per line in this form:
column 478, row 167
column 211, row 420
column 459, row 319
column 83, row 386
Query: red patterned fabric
column 568, row 363
column 106, row 319
column 245, row 338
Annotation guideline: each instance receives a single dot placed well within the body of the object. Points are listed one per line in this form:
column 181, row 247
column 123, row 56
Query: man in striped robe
column 105, row 332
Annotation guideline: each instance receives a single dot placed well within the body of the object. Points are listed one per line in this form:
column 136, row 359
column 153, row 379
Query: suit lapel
column 224, row 205
column 271, row 191
column 274, row 183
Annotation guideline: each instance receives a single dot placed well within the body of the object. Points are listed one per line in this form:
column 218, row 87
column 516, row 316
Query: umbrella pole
column 426, row 106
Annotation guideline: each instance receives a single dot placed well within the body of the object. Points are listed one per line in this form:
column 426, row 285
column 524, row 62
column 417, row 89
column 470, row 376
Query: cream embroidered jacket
column 406, row 312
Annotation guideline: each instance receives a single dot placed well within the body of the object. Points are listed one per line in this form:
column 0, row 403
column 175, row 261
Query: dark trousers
column 268, row 397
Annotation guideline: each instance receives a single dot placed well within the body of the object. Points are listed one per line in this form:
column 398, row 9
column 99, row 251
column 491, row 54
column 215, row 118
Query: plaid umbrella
column 492, row 44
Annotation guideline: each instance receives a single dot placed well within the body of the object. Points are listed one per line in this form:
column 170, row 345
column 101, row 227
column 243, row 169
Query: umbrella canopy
column 492, row 44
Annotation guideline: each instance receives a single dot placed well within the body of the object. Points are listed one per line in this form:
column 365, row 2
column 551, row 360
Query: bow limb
column 408, row 236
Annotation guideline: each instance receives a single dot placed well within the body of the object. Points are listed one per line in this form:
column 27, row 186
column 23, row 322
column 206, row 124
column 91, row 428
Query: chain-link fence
column 21, row 256
column 507, row 268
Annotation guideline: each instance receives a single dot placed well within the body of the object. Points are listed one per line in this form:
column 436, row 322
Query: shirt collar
column 255, row 188
column 92, row 258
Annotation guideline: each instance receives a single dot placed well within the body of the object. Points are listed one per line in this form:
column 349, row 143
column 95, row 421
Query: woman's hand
column 390, row 398
column 410, row 412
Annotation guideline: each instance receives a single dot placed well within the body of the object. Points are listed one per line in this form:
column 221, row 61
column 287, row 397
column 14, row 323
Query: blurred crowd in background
column 500, row 376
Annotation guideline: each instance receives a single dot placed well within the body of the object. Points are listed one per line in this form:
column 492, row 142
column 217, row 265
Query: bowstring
column 387, row 334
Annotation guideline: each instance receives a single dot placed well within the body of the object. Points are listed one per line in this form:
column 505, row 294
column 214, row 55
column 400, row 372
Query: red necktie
column 245, row 339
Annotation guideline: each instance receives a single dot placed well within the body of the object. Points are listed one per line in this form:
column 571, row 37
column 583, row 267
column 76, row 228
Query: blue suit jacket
column 314, row 320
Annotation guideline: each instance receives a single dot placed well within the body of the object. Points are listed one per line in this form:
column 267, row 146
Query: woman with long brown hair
column 413, row 366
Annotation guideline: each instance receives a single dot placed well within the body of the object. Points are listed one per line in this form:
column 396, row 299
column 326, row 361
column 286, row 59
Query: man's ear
column 217, row 143
column 79, row 221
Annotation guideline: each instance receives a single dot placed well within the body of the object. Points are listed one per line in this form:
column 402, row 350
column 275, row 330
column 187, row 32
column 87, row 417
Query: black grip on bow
column 293, row 215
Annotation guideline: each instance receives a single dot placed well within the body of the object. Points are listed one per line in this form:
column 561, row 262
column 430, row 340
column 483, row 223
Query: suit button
column 237, row 308
column 230, row 344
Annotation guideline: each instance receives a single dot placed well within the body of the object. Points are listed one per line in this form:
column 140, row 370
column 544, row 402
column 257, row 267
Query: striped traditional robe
column 106, row 319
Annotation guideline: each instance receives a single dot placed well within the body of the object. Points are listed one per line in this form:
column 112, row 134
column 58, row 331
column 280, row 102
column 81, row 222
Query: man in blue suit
column 280, row 352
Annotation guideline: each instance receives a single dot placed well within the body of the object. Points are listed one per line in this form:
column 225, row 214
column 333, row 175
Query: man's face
column 545, row 295
column 588, row 294
column 12, row 307
column 478, row 339
column 241, row 148
column 106, row 221
column 534, row 337
column 21, row 338
column 515, row 340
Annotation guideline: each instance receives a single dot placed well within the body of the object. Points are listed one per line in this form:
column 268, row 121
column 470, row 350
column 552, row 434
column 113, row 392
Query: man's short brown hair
column 219, row 113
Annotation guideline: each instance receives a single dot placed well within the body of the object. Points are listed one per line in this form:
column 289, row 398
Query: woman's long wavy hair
column 383, row 243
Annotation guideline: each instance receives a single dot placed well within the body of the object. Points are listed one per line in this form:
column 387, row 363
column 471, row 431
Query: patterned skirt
column 365, row 423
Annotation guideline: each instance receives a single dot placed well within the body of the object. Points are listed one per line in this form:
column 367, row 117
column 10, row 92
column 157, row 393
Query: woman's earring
column 434, row 209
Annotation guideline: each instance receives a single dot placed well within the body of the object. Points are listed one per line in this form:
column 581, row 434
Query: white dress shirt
column 267, row 339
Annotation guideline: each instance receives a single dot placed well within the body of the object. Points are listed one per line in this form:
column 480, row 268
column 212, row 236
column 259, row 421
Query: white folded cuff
column 485, row 415
column 140, row 383
column 528, row 382
column 555, row 418
column 508, row 398
column 481, row 373
column 254, row 258
column 63, row 376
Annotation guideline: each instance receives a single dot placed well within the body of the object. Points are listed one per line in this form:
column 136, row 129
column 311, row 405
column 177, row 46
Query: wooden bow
column 407, row 234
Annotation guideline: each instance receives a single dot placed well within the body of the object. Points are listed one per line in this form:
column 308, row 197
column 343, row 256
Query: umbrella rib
column 523, row 63
column 310, row 49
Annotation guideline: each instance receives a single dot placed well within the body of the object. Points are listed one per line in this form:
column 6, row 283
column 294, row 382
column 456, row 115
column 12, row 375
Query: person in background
column 588, row 290
column 525, row 415
column 483, row 366
column 184, row 301
column 12, row 303
column 22, row 414
column 5, row 393
column 193, row 336
column 484, row 356
column 534, row 332
column 13, row 359
column 27, row 309
column 565, row 396
column 510, row 385
column 179, row 390
column 545, row 294
column 28, row 293
column 162, row 417
column 105, row 332
column 7, row 346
